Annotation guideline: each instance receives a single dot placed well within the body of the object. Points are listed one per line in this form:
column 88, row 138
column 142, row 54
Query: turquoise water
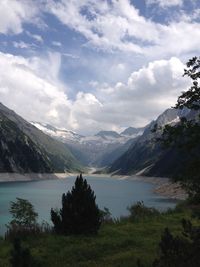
column 112, row 193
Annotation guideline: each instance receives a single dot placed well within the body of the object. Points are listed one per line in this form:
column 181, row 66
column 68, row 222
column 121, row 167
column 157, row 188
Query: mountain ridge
column 57, row 155
column 145, row 153
column 93, row 150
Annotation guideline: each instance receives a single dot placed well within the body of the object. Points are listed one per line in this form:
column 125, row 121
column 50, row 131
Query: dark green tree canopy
column 79, row 213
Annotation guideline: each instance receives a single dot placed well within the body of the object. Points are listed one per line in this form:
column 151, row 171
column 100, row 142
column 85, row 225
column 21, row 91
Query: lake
column 112, row 193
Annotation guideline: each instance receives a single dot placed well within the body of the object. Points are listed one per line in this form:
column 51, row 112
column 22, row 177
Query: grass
column 117, row 244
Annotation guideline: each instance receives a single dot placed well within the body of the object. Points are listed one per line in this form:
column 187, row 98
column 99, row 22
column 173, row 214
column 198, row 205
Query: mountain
column 130, row 131
column 59, row 134
column 24, row 148
column 97, row 150
column 144, row 154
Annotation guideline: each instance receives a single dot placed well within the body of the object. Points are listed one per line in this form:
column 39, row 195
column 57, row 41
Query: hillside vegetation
column 117, row 244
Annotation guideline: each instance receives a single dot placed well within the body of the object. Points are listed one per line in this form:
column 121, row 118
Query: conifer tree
column 79, row 213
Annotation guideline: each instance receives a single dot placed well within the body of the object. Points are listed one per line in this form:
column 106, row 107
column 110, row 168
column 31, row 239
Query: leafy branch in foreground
column 185, row 135
column 191, row 98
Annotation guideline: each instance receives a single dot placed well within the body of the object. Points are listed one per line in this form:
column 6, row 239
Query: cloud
column 40, row 96
column 55, row 43
column 118, row 25
column 147, row 93
column 36, row 37
column 22, row 45
column 166, row 3
column 29, row 94
column 15, row 13
column 68, row 55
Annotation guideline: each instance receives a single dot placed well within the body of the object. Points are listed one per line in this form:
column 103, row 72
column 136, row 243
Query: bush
column 179, row 251
column 79, row 213
column 140, row 211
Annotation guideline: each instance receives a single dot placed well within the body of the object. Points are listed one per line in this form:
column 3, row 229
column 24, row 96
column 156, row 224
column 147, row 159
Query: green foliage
column 79, row 213
column 24, row 221
column 118, row 244
column 23, row 213
column 139, row 211
column 180, row 251
column 20, row 257
column 191, row 98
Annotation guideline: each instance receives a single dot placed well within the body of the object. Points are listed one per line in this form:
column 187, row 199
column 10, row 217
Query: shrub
column 140, row 211
column 179, row 251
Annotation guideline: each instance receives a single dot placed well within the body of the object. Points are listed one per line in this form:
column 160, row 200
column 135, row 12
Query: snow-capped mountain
column 89, row 150
column 60, row 134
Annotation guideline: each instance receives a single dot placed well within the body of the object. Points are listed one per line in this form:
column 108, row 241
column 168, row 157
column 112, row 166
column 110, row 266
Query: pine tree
column 79, row 213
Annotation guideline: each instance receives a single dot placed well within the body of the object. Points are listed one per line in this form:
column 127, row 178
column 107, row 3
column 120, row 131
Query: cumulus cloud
column 39, row 96
column 32, row 96
column 147, row 93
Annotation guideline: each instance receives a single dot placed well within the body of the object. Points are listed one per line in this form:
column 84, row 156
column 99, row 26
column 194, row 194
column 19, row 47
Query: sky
column 88, row 65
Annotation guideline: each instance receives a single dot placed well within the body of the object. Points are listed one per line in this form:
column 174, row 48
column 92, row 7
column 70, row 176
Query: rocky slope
column 146, row 155
column 24, row 148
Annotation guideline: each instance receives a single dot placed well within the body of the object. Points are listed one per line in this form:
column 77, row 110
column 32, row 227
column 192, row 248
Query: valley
column 38, row 147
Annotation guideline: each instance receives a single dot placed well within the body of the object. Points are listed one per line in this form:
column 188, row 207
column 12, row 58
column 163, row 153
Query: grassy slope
column 118, row 244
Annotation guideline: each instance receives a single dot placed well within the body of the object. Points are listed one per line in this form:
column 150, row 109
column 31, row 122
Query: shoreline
column 163, row 186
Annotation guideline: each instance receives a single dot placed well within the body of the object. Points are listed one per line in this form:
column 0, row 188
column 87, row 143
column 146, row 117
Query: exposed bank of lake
column 162, row 186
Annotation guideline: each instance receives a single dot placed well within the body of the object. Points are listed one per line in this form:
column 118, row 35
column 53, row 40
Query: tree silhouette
column 79, row 213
